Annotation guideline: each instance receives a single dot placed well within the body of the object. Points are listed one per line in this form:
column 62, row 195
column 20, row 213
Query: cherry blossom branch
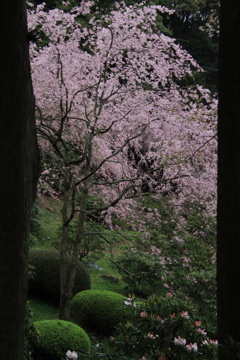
column 112, row 155
column 202, row 146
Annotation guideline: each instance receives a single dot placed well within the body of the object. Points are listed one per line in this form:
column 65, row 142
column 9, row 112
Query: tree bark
column 68, row 273
column 68, row 270
column 65, row 290
column 19, row 173
column 228, row 217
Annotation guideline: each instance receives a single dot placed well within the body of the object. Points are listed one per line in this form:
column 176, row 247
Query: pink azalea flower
column 158, row 317
column 197, row 323
column 201, row 331
column 184, row 314
column 71, row 354
column 213, row 342
column 169, row 296
column 151, row 336
column 179, row 341
column 192, row 347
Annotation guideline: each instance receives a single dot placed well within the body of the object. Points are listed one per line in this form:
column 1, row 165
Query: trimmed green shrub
column 56, row 337
column 98, row 310
column 46, row 278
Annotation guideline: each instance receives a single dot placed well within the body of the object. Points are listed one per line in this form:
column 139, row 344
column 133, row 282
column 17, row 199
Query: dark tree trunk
column 68, row 270
column 18, row 174
column 228, row 242
column 65, row 269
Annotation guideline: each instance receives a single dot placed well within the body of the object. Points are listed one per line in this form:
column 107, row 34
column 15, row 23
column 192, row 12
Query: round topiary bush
column 46, row 279
column 99, row 310
column 56, row 337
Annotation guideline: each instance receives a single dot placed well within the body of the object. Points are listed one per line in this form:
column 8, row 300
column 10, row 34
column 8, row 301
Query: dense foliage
column 158, row 329
column 195, row 25
column 45, row 282
column 183, row 262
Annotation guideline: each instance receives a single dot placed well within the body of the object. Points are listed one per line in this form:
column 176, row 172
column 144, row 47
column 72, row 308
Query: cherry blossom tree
column 113, row 121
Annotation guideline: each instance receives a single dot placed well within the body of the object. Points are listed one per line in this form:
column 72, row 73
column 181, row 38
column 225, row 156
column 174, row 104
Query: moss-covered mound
column 98, row 310
column 46, row 279
column 56, row 337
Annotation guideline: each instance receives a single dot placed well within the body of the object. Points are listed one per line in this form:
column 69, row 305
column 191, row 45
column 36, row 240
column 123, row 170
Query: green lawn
column 42, row 310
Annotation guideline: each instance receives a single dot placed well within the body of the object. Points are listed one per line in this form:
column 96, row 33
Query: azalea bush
column 158, row 329
column 185, row 267
column 179, row 256
column 198, row 222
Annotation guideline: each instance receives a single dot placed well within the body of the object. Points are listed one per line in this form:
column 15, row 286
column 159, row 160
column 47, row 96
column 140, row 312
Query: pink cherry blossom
column 124, row 105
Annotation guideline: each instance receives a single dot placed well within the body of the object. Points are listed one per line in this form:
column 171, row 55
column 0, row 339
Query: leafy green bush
column 158, row 329
column 46, row 280
column 199, row 222
column 56, row 337
column 139, row 268
column 184, row 265
column 99, row 310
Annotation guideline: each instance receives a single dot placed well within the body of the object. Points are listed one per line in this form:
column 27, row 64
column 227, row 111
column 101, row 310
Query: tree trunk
column 19, row 172
column 67, row 273
column 65, row 300
column 68, row 270
column 228, row 238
